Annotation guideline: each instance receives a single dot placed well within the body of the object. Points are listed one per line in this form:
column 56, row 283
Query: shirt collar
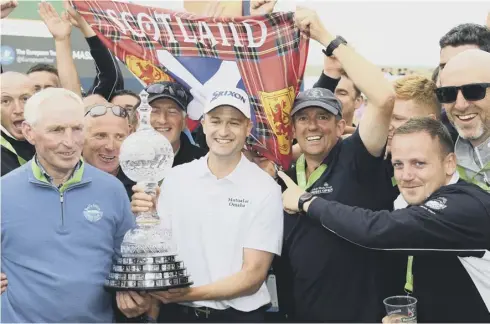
column 49, row 178
column 401, row 203
column 235, row 176
column 7, row 133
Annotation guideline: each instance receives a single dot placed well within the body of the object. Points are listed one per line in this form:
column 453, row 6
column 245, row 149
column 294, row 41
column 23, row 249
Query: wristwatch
column 303, row 199
column 328, row 51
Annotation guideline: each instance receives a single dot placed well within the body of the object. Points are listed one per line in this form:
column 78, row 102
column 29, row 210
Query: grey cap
column 317, row 97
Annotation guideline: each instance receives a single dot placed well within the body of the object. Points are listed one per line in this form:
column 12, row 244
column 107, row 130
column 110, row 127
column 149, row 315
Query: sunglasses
column 101, row 110
column 471, row 92
column 173, row 90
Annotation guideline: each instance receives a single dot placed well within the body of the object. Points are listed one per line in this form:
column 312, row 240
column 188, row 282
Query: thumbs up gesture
column 290, row 197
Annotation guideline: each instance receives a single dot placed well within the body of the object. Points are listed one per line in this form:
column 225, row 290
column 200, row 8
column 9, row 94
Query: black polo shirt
column 10, row 161
column 324, row 278
column 187, row 153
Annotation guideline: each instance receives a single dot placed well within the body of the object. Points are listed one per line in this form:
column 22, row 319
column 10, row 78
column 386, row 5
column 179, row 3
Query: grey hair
column 33, row 108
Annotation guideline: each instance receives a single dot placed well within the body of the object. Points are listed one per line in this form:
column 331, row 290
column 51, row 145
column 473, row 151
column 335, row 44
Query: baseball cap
column 170, row 90
column 228, row 97
column 317, row 97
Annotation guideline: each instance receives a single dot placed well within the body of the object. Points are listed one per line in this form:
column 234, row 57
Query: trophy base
column 147, row 274
column 162, row 288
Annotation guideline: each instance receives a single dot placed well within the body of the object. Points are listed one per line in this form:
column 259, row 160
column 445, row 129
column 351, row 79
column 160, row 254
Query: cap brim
column 164, row 96
column 315, row 103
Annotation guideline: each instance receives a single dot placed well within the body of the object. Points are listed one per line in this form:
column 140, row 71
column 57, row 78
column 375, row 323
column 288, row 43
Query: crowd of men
column 395, row 203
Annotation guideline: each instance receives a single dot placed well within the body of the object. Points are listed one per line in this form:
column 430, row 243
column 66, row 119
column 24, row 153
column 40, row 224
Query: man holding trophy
column 227, row 233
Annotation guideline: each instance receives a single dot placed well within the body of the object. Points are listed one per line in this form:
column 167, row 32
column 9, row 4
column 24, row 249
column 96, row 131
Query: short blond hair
column 419, row 89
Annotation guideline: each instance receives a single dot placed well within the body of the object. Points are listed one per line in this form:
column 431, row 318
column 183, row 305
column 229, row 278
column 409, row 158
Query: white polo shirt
column 214, row 220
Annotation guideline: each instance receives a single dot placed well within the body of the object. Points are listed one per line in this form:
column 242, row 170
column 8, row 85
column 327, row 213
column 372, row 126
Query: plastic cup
column 401, row 309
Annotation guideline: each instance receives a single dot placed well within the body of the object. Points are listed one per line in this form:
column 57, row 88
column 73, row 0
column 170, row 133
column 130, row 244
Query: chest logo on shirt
column 93, row 213
column 238, row 202
column 437, row 204
column 324, row 189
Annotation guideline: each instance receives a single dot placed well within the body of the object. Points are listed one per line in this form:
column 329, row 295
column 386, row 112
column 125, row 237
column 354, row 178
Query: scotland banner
column 263, row 55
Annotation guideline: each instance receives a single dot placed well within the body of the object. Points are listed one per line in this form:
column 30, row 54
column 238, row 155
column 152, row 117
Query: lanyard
column 9, row 147
column 409, row 277
column 301, row 173
column 464, row 175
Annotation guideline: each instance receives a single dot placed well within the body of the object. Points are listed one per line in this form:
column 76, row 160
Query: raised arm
column 60, row 28
column 366, row 76
column 108, row 76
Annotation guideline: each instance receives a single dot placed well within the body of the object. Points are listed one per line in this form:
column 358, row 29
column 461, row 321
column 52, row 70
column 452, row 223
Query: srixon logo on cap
column 218, row 94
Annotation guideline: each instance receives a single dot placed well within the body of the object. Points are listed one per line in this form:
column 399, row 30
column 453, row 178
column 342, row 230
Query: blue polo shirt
column 58, row 244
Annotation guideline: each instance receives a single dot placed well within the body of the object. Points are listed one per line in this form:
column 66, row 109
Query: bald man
column 465, row 94
column 16, row 88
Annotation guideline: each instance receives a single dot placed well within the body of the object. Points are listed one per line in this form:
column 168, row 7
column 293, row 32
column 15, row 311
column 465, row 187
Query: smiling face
column 316, row 131
column 168, row 119
column 103, row 139
column 226, row 130
column 16, row 89
column 471, row 118
column 58, row 134
column 420, row 165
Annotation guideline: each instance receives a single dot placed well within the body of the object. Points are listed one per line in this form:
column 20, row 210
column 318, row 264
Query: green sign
column 28, row 9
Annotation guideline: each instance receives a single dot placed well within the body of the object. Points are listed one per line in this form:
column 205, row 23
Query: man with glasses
column 169, row 101
column 464, row 93
column 106, row 128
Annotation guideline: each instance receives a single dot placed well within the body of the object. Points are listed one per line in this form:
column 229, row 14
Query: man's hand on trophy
column 133, row 304
column 141, row 201
column 3, row 283
column 177, row 295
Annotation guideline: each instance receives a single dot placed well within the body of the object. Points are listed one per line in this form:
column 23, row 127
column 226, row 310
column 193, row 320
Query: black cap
column 170, row 90
column 317, row 97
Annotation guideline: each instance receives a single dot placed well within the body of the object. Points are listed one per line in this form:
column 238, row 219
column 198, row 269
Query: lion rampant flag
column 263, row 55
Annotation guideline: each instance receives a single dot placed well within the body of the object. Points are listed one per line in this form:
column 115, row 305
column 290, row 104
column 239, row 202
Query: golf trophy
column 149, row 256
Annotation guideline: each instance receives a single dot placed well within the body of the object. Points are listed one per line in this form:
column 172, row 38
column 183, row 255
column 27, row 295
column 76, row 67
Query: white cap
column 228, row 97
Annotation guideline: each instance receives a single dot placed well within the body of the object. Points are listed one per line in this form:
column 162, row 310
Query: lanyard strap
column 301, row 173
column 409, row 277
column 465, row 176
column 9, row 147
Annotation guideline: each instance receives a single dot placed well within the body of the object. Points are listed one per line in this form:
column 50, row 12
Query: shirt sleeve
column 126, row 221
column 456, row 223
column 326, row 82
column 108, row 76
column 267, row 226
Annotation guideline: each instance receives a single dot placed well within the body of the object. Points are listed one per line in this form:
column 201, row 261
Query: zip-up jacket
column 449, row 237
column 58, row 244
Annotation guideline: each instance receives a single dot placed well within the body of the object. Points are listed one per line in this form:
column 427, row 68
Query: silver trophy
column 149, row 255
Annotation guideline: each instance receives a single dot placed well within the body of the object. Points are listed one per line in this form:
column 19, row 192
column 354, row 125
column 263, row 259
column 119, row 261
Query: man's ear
column 340, row 127
column 433, row 116
column 249, row 127
column 450, row 164
column 28, row 132
column 203, row 123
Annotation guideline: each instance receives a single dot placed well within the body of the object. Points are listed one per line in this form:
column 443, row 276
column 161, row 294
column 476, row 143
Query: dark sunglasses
column 471, row 92
column 101, row 110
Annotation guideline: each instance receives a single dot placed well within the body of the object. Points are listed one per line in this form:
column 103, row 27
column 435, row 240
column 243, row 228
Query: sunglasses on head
column 471, row 92
column 173, row 90
column 100, row 110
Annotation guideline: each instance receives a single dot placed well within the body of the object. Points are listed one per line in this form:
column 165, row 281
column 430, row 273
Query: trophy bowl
column 149, row 258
